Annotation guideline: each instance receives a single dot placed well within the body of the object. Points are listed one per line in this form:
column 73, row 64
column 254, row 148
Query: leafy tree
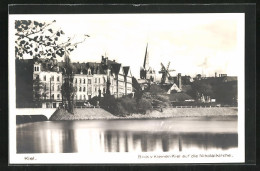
column 227, row 93
column 137, row 88
column 199, row 87
column 39, row 40
column 67, row 88
column 39, row 91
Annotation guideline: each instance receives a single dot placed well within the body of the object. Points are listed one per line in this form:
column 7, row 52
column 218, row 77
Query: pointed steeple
column 146, row 58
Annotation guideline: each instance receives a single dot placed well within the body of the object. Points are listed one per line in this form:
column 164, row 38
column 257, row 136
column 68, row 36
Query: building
column 89, row 80
column 146, row 71
column 49, row 85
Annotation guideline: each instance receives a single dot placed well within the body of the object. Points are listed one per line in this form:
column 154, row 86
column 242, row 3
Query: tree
column 39, row 91
column 67, row 88
column 199, row 88
column 137, row 89
column 39, row 40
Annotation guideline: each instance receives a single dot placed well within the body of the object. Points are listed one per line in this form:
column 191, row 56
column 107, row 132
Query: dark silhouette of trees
column 67, row 88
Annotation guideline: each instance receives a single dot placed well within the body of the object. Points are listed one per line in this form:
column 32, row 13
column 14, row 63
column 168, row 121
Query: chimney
column 216, row 75
column 179, row 80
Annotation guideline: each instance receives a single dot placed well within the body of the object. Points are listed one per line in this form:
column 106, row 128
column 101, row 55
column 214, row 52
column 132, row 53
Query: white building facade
column 89, row 81
column 51, row 82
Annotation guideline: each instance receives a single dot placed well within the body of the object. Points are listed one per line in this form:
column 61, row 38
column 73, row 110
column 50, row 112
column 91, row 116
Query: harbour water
column 153, row 135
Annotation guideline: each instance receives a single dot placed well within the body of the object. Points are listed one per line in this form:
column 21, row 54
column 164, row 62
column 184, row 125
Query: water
column 157, row 135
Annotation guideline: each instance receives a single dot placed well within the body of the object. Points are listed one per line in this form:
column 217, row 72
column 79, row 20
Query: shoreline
column 101, row 114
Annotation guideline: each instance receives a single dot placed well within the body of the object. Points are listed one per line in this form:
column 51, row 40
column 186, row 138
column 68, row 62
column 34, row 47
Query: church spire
column 146, row 58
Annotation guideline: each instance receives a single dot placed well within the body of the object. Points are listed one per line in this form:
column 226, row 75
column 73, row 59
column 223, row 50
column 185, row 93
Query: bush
column 94, row 100
column 120, row 110
column 129, row 104
column 158, row 103
column 108, row 103
column 144, row 105
column 162, row 98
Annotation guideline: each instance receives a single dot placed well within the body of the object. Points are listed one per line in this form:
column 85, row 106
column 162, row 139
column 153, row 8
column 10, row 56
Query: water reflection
column 86, row 136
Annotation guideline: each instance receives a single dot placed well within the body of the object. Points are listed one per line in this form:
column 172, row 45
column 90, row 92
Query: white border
column 123, row 158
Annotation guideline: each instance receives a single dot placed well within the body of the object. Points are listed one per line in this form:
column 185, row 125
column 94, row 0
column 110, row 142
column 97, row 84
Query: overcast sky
column 193, row 43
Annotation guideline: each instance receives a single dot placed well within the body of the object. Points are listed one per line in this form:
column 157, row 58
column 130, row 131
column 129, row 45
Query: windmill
column 165, row 72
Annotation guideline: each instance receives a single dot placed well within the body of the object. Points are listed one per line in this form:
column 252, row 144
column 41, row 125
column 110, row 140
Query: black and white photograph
column 126, row 88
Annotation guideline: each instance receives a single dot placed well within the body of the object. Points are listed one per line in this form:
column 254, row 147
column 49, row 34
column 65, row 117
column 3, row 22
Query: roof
column 51, row 64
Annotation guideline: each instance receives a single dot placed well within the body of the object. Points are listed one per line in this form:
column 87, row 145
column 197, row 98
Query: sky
column 193, row 43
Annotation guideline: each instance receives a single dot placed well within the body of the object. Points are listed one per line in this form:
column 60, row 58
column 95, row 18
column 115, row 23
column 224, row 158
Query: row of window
column 96, row 80
column 83, row 80
column 52, row 96
column 52, row 87
column 89, row 89
column 52, row 78
column 80, row 97
column 79, row 80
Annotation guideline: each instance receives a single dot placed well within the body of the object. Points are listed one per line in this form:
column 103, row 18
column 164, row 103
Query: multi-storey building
column 90, row 80
column 50, row 85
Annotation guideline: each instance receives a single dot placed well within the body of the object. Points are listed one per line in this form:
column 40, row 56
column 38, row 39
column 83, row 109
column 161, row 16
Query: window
column 80, row 97
column 52, row 96
column 79, row 88
column 75, row 80
column 58, row 78
column 44, row 77
column 58, row 96
column 36, row 68
column 98, row 80
column 84, row 97
column 84, row 81
column 95, row 89
column 80, row 80
column 52, row 87
column 58, row 87
column 84, row 89
column 95, row 80
column 89, row 81
column 52, row 78
column 89, row 90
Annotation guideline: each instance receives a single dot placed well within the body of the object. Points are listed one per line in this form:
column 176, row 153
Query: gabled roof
column 126, row 70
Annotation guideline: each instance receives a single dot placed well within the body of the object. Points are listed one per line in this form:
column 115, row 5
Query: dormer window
column 89, row 72
column 36, row 68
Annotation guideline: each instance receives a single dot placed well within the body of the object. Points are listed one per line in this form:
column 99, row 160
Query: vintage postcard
column 126, row 88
